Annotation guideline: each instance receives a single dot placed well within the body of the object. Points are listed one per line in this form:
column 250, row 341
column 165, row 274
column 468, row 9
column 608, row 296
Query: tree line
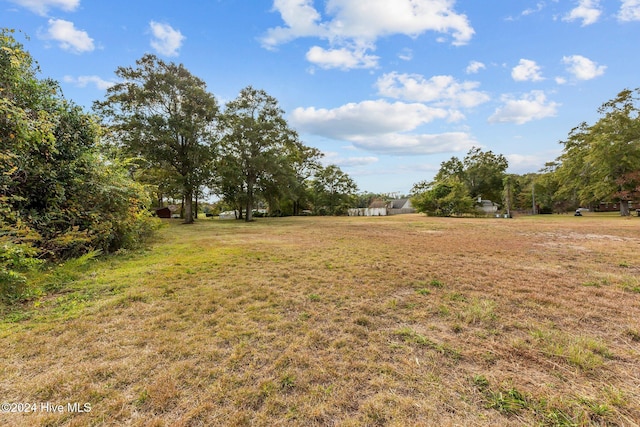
column 600, row 163
column 74, row 182
column 244, row 153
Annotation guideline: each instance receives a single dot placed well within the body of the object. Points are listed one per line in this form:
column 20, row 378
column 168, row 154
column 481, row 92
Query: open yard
column 397, row 321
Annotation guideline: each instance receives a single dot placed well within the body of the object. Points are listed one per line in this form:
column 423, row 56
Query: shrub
column 61, row 195
column 15, row 259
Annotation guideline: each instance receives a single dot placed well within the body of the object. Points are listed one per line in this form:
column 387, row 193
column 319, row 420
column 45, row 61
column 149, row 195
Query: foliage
column 305, row 161
column 164, row 114
column 364, row 199
column 260, row 155
column 484, row 173
column 459, row 182
column 628, row 186
column 333, row 191
column 509, row 184
column 481, row 172
column 60, row 195
column 443, row 198
column 600, row 162
column 15, row 259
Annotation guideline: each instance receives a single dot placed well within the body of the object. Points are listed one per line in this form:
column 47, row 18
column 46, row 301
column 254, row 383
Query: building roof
column 378, row 204
column 398, row 203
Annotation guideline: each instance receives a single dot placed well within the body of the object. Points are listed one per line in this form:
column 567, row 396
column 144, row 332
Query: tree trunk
column 249, row 213
column 188, row 206
column 624, row 208
column 196, row 206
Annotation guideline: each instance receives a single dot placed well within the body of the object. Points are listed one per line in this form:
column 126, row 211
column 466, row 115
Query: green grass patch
column 478, row 311
column 435, row 283
column 631, row 287
column 583, row 352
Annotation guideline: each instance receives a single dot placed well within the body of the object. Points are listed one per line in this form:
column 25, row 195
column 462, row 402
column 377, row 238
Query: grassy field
column 397, row 321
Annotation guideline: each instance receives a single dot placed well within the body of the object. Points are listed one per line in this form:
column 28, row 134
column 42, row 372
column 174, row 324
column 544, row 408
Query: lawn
column 398, row 321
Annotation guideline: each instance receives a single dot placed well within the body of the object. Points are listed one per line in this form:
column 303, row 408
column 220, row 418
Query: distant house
column 612, row 206
column 400, row 206
column 376, row 208
column 163, row 213
column 381, row 208
column 487, row 206
column 228, row 215
column 171, row 211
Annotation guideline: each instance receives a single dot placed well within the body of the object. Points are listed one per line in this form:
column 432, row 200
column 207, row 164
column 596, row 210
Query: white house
column 228, row 215
column 380, row 208
column 487, row 206
column 400, row 206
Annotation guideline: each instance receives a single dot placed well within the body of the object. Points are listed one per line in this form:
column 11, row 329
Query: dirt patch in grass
column 403, row 320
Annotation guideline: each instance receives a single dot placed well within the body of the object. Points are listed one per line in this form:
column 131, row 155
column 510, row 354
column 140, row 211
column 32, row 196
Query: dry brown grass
column 396, row 321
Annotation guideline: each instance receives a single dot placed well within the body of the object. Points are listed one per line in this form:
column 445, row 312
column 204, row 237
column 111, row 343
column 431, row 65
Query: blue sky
column 387, row 89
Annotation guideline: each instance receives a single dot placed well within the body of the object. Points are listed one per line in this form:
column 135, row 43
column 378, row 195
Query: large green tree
column 163, row 113
column 334, row 190
column 482, row 172
column 445, row 197
column 305, row 163
column 600, row 161
column 256, row 149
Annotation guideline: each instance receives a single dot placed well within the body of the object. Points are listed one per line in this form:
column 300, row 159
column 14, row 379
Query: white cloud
column 365, row 118
column 333, row 158
column 166, row 40
column 341, row 58
column 583, row 68
column 474, row 67
column 381, row 127
column 69, row 38
column 531, row 11
column 629, row 11
column 352, row 23
column 587, row 10
column 526, row 70
column 416, row 144
column 406, row 54
column 440, row 90
column 41, row 7
column 375, row 18
column 84, row 81
column 525, row 163
column 531, row 106
column 301, row 20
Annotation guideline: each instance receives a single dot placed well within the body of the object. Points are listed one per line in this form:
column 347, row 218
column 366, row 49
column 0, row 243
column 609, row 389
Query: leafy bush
column 61, row 194
column 446, row 198
column 15, row 259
